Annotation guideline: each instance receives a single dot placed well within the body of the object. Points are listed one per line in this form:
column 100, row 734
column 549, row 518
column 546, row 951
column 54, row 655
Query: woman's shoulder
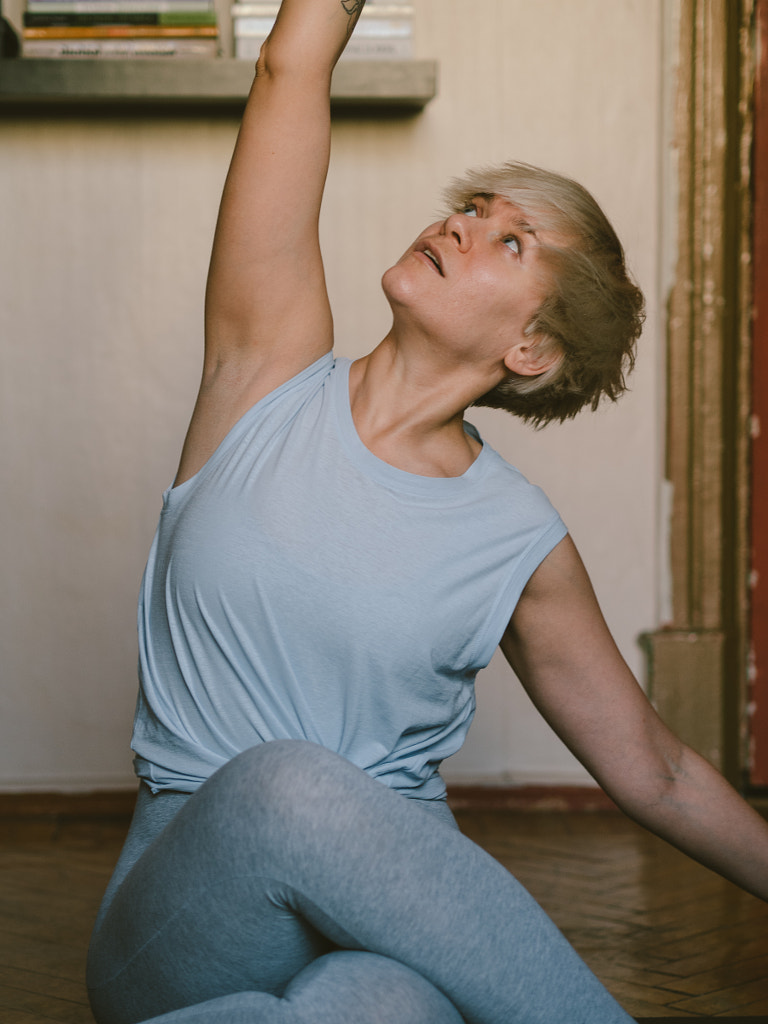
column 264, row 418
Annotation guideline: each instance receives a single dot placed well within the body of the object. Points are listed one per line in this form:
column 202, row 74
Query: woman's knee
column 286, row 775
column 350, row 987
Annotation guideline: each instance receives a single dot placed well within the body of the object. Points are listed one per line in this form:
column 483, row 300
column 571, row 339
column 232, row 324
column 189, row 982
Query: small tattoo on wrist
column 352, row 7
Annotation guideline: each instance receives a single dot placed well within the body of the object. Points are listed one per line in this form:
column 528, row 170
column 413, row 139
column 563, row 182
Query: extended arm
column 560, row 647
column 266, row 312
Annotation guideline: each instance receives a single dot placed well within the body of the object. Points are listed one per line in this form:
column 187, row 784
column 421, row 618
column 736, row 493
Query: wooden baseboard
column 108, row 803
column 119, row 803
column 549, row 799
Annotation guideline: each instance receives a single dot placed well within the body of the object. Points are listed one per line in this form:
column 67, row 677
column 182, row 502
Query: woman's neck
column 408, row 409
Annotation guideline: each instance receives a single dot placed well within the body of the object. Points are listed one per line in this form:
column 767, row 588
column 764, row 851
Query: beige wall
column 105, row 227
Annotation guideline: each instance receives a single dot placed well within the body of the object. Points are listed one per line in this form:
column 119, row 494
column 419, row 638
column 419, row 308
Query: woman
column 338, row 556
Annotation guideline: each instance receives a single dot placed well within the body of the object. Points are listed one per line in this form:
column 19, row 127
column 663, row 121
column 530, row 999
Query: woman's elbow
column 654, row 782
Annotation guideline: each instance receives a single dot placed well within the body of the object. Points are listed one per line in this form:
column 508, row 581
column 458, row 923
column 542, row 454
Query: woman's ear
column 531, row 357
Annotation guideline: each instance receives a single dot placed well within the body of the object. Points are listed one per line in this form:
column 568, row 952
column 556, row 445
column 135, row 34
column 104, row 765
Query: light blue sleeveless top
column 299, row 587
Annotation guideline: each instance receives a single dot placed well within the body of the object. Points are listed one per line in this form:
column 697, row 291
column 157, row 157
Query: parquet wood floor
column 667, row 937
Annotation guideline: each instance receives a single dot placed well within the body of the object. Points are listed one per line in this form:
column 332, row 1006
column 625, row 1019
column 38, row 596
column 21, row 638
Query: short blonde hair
column 593, row 313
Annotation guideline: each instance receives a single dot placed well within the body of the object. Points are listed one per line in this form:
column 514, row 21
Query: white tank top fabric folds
column 300, row 587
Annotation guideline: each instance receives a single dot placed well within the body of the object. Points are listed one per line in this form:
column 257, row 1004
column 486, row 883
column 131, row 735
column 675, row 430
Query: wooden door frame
column 698, row 662
column 757, row 757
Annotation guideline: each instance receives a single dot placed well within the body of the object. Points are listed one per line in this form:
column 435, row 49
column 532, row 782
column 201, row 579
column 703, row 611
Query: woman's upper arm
column 266, row 298
column 561, row 649
column 267, row 314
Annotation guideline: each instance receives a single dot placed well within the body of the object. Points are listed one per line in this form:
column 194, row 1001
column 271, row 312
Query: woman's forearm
column 310, row 35
column 697, row 811
column 271, row 202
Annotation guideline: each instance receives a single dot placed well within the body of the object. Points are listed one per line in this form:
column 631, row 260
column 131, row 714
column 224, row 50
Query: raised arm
column 560, row 647
column 266, row 312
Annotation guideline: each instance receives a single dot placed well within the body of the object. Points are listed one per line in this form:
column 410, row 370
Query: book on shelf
column 35, row 19
column 120, row 28
column 122, row 32
column 248, row 47
column 373, row 9
column 120, row 7
column 142, row 28
column 121, row 48
column 399, row 14
column 384, row 30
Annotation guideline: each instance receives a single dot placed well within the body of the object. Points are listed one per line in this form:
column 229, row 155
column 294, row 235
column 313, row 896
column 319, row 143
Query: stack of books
column 120, row 28
column 383, row 32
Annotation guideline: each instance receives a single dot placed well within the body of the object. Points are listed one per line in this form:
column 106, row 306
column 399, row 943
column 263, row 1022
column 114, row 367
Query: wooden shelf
column 220, row 84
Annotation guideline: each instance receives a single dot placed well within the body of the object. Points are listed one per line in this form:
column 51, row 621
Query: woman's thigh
column 199, row 907
column 289, row 851
column 194, row 918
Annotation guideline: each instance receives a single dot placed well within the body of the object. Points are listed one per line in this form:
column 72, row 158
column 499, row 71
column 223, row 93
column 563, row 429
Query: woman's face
column 474, row 279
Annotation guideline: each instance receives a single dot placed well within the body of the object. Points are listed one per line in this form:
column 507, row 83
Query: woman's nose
column 459, row 227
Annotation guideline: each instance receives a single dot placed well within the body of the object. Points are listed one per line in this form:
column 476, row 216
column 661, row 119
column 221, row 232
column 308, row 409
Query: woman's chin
column 399, row 286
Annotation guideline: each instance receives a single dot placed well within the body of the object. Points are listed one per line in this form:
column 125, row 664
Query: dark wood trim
column 548, row 799
column 758, row 697
column 119, row 803
column 106, row 803
column 698, row 661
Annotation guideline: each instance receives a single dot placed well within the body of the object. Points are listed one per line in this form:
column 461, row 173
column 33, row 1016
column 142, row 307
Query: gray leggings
column 292, row 888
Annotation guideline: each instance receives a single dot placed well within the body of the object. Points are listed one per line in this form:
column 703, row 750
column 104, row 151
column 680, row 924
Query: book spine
column 259, row 10
column 117, row 6
column 247, row 47
column 112, row 48
column 33, row 19
column 390, row 28
column 121, row 31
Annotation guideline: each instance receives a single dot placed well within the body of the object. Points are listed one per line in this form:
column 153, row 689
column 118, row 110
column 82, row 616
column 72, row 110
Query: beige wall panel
column 105, row 229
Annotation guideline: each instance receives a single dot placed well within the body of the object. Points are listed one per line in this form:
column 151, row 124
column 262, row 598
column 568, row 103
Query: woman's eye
column 513, row 244
column 470, row 211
